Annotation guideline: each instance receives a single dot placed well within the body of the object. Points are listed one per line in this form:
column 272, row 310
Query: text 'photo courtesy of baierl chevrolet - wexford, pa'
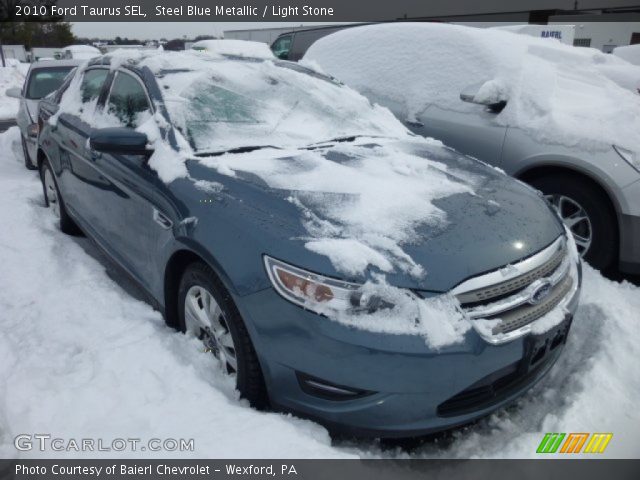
column 319, row 239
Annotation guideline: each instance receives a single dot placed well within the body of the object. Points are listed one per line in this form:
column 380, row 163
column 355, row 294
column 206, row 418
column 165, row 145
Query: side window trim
column 106, row 79
column 121, row 71
column 65, row 85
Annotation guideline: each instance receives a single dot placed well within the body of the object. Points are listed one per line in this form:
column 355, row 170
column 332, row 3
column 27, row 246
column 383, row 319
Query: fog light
column 327, row 390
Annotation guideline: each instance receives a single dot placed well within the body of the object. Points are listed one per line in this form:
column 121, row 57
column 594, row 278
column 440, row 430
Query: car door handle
column 161, row 219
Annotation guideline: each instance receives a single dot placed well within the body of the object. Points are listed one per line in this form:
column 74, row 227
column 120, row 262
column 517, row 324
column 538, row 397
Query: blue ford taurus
column 215, row 181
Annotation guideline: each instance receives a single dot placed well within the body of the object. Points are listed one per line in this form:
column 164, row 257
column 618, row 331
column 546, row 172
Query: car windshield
column 223, row 104
column 43, row 81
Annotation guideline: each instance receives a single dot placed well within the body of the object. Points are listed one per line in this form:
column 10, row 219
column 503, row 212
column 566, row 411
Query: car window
column 57, row 94
column 92, row 83
column 127, row 100
column 282, row 46
column 43, row 81
column 225, row 104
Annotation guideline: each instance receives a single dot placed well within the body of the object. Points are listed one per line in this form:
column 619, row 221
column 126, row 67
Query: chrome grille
column 524, row 315
column 514, row 284
column 510, row 295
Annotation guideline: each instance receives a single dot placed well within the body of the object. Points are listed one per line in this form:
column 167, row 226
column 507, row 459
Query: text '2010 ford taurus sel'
column 338, row 266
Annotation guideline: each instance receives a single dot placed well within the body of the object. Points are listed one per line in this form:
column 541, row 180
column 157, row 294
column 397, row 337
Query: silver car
column 42, row 78
column 435, row 78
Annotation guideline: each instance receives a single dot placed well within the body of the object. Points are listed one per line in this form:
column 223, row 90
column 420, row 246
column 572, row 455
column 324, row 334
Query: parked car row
column 42, row 78
column 237, row 191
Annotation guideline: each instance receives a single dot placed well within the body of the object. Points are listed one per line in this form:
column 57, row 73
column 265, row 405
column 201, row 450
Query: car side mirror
column 14, row 92
column 492, row 101
column 119, row 140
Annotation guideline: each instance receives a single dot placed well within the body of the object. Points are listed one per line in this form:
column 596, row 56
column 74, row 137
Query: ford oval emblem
column 541, row 292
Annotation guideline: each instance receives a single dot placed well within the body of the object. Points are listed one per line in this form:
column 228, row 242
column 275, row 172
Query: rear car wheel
column 27, row 159
column 586, row 213
column 53, row 200
column 207, row 311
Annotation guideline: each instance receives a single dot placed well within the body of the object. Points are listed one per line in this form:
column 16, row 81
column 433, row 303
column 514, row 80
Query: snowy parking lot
column 83, row 356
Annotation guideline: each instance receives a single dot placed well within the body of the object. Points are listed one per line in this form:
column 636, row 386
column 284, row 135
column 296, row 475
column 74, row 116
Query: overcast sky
column 168, row 30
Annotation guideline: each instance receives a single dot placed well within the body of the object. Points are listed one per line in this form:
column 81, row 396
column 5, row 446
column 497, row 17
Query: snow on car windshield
column 222, row 103
column 558, row 93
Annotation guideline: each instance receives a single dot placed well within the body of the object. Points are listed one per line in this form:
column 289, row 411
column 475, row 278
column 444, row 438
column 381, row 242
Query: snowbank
column 560, row 93
column 75, row 333
column 10, row 76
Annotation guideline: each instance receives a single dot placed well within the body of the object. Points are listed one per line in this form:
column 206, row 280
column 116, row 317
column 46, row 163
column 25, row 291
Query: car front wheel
column 207, row 311
column 586, row 213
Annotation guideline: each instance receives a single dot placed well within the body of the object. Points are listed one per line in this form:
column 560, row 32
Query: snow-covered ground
column 81, row 356
column 10, row 76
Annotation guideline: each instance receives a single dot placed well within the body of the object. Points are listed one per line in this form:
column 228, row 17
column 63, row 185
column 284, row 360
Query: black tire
column 603, row 251
column 27, row 159
column 66, row 224
column 249, row 378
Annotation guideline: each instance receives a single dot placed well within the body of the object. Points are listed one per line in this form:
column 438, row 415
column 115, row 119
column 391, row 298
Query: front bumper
column 410, row 383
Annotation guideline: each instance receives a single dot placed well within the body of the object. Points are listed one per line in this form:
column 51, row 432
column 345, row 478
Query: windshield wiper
column 235, row 150
column 348, row 138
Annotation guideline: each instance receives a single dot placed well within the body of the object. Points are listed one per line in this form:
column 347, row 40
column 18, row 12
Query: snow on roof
column 238, row 48
column 630, row 53
column 560, row 93
column 82, row 51
column 82, row 48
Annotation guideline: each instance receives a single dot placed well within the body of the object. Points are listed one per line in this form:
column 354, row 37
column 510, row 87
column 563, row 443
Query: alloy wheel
column 576, row 220
column 206, row 320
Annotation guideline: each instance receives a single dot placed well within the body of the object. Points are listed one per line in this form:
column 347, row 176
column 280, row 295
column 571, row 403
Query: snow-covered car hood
column 421, row 214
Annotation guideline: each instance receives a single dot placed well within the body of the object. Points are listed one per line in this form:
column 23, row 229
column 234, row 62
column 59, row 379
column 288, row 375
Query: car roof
column 325, row 27
column 55, row 63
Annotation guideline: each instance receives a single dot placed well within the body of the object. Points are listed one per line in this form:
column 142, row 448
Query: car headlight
column 318, row 293
column 629, row 156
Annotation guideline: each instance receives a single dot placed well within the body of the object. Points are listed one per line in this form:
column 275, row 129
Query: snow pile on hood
column 560, row 93
column 236, row 48
column 362, row 200
column 630, row 53
column 10, row 77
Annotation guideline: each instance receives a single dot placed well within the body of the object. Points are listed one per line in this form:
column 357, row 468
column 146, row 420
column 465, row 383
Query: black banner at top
column 534, row 11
